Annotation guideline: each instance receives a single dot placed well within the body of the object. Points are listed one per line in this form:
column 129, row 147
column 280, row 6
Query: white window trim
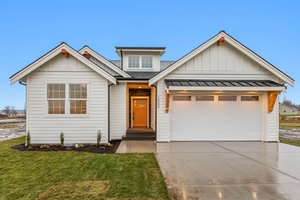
column 67, row 100
column 140, row 62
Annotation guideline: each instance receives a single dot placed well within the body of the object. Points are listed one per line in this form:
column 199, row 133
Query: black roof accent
column 221, row 83
column 139, row 75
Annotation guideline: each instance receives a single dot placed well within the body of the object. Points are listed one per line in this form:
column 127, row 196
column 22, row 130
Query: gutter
column 22, row 83
column 108, row 113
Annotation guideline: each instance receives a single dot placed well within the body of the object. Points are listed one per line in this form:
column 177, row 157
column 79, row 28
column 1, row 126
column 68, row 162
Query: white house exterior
column 287, row 110
column 220, row 91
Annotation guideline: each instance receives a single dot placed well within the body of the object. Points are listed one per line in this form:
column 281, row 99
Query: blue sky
column 31, row 28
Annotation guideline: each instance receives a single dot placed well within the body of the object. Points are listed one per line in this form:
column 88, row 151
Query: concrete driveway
column 230, row 170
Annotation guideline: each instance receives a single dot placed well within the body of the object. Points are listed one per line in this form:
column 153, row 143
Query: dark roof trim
column 221, row 83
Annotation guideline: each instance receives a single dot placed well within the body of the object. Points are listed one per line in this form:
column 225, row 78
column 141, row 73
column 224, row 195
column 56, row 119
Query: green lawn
column 74, row 175
column 289, row 141
column 290, row 125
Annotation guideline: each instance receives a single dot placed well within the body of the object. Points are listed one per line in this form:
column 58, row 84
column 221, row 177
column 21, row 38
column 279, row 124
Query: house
column 221, row 90
column 287, row 110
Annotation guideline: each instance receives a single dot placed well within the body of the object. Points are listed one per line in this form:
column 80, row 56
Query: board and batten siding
column 118, row 111
column 222, row 62
column 46, row 128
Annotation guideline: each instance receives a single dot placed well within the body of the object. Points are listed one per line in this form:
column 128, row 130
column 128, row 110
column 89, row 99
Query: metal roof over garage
column 221, row 83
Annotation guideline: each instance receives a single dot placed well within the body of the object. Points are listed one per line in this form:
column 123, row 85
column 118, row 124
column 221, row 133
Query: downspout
column 108, row 114
column 155, row 110
column 26, row 105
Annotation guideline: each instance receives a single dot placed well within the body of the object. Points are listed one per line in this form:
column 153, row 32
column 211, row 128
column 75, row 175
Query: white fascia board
column 24, row 72
column 231, row 41
column 193, row 88
column 104, row 61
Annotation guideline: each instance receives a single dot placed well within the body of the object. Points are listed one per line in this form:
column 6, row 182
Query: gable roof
column 104, row 61
column 54, row 52
column 234, row 43
column 287, row 106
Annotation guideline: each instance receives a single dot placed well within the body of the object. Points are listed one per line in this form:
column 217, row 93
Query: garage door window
column 227, row 98
column 182, row 98
column 249, row 98
column 204, row 98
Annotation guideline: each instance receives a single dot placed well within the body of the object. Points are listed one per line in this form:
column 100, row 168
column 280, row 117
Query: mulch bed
column 86, row 148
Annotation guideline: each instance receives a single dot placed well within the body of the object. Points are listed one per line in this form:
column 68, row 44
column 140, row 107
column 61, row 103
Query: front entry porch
column 139, row 133
column 141, row 103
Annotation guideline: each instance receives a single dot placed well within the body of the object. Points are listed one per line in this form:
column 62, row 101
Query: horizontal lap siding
column 46, row 128
column 118, row 111
column 163, row 118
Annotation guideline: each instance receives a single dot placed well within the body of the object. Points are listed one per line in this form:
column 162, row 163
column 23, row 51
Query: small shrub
column 62, row 138
column 44, row 146
column 98, row 138
column 28, row 139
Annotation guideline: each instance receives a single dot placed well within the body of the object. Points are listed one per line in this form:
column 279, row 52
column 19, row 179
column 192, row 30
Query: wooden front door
column 139, row 112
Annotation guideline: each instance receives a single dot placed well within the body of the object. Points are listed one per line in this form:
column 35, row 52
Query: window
column 204, row 98
column 249, row 98
column 136, row 62
column 146, row 62
column 133, row 61
column 182, row 98
column 227, row 98
column 56, row 98
column 78, row 98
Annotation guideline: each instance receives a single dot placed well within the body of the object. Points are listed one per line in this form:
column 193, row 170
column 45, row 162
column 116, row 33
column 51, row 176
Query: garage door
column 215, row 117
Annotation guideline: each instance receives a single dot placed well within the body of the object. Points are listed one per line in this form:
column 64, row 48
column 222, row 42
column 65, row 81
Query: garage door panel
column 215, row 120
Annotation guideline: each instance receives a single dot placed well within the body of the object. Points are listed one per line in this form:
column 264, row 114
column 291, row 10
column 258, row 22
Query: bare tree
column 9, row 110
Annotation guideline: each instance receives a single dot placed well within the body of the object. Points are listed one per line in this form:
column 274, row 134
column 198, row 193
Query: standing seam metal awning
column 175, row 84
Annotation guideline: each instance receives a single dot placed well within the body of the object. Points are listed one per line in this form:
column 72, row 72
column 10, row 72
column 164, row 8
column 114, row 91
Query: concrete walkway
column 228, row 170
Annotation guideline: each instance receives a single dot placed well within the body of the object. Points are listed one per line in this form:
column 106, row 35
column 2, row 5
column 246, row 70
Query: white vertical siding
column 118, row 111
column 222, row 62
column 153, row 93
column 46, row 128
column 163, row 118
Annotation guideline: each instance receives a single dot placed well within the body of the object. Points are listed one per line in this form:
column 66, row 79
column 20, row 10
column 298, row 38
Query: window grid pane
column 182, row 98
column 146, row 62
column 78, row 96
column 56, row 96
column 133, row 61
column 204, row 98
column 249, row 98
column 78, row 107
column 56, row 107
column 56, row 91
column 227, row 98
